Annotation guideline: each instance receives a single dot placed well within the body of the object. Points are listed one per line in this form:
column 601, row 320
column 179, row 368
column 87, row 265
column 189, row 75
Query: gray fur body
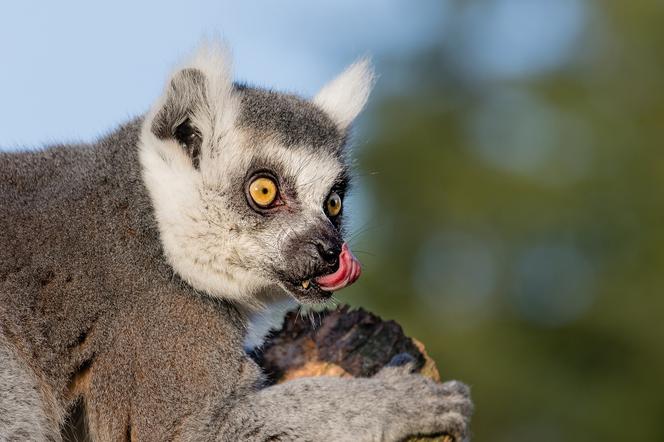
column 92, row 311
column 89, row 303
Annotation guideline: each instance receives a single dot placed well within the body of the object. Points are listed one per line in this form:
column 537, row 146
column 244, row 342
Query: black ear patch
column 185, row 95
column 190, row 139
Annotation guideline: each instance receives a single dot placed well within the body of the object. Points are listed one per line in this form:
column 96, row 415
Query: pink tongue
column 347, row 273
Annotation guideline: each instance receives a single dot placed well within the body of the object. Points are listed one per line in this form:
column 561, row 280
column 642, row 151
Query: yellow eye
column 263, row 191
column 333, row 204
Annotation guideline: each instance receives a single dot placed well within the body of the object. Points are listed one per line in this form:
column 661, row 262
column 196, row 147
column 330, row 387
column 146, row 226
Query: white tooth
column 305, row 284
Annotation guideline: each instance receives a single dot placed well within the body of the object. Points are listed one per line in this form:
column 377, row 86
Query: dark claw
column 401, row 359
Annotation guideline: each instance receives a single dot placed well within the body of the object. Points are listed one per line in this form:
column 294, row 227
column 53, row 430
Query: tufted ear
column 344, row 97
column 184, row 96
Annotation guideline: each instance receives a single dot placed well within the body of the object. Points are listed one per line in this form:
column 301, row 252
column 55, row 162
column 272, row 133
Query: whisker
column 363, row 252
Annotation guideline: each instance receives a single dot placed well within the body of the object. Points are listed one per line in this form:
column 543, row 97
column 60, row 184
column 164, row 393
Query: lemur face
column 248, row 185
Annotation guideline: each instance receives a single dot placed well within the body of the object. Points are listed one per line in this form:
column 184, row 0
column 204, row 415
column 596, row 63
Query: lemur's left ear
column 344, row 97
column 198, row 103
column 184, row 96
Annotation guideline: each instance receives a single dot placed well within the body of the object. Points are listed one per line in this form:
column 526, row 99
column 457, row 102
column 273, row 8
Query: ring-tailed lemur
column 128, row 268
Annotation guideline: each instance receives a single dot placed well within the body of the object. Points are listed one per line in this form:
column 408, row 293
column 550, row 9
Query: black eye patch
column 342, row 183
column 273, row 170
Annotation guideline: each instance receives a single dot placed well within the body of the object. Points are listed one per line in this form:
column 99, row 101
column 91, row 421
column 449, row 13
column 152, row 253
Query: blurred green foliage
column 516, row 226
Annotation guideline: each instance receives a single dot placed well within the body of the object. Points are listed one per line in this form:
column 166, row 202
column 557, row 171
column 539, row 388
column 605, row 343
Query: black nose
column 329, row 251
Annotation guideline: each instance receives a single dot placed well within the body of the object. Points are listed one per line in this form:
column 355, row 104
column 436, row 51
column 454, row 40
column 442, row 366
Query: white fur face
column 206, row 140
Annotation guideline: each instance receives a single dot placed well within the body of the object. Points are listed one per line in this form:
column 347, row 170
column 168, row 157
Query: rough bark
column 342, row 342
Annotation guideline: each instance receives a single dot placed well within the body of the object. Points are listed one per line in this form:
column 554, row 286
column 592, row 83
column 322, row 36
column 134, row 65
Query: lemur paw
column 446, row 408
column 435, row 408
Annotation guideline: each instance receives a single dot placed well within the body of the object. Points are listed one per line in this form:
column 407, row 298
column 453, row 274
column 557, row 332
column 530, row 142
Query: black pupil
column 265, row 190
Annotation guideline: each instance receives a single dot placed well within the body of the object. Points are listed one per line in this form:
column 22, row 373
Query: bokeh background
column 508, row 206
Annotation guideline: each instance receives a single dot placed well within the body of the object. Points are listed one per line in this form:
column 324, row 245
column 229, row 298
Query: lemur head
column 248, row 185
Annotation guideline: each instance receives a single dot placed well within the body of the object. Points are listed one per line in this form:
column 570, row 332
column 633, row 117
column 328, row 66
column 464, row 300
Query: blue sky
column 72, row 70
